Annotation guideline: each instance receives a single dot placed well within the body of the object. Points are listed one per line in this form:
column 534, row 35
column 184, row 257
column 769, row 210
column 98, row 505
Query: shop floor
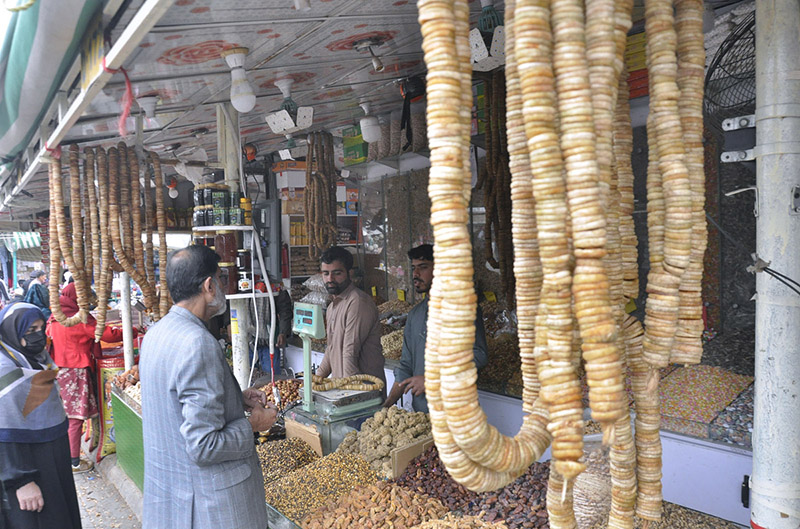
column 691, row 397
column 735, row 424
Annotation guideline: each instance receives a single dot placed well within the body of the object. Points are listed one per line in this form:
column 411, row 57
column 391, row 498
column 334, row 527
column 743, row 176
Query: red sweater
column 75, row 346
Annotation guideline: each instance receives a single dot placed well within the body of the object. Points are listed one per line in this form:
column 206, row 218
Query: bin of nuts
column 278, row 458
column 290, row 390
column 327, row 479
column 380, row 434
column 380, row 505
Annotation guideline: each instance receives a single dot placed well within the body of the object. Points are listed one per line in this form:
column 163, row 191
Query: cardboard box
column 286, row 165
column 307, row 433
column 351, row 208
column 351, row 132
column 293, row 205
column 341, row 192
column 401, row 457
column 356, row 153
column 341, row 208
column 290, row 178
column 352, row 194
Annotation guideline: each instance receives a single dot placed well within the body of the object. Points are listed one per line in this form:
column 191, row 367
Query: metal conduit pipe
column 775, row 481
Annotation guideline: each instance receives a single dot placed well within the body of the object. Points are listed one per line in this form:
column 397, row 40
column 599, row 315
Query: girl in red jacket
column 74, row 351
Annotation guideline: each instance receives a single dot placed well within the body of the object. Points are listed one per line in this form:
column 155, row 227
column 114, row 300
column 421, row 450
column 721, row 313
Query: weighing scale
column 327, row 410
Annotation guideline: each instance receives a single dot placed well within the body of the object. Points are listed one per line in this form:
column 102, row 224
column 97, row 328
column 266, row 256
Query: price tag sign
column 490, row 296
column 630, row 306
column 401, row 295
column 374, row 291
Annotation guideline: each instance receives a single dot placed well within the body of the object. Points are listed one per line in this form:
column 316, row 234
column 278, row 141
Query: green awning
column 40, row 45
column 19, row 240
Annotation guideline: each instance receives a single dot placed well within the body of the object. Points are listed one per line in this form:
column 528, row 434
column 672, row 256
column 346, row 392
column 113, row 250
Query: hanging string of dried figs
column 320, row 194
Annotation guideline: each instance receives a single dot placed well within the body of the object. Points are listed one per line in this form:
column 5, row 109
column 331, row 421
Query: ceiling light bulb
column 377, row 63
column 302, row 5
column 242, row 96
column 173, row 193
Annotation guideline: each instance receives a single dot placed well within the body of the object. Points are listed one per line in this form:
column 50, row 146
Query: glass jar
column 199, row 217
column 230, row 284
column 235, row 216
column 245, row 284
column 244, row 261
column 226, row 246
column 208, row 194
column 197, row 194
column 220, row 216
column 219, row 199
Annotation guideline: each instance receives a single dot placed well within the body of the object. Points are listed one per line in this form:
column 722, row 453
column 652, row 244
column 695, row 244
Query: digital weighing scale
column 327, row 410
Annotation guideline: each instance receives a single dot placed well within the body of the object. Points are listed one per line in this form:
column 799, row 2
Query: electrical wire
column 786, row 280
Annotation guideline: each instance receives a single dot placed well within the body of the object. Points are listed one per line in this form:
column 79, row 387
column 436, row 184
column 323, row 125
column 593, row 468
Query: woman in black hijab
column 35, row 476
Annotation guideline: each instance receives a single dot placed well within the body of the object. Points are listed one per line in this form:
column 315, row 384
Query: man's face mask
column 218, row 305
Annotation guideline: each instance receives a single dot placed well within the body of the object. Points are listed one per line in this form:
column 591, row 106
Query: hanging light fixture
column 242, row 96
column 290, row 118
column 368, row 45
column 148, row 105
column 370, row 126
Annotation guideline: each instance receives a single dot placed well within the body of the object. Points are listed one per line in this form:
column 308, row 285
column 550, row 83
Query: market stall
column 563, row 159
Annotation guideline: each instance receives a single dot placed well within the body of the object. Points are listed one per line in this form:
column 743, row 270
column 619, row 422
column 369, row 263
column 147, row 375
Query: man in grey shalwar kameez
column 201, row 468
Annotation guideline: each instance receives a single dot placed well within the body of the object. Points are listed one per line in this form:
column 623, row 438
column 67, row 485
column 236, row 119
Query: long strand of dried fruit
column 644, row 383
column 88, row 233
column 149, row 213
column 114, row 197
column 560, row 387
column 126, row 160
column 590, row 285
column 308, row 195
column 106, row 256
column 136, row 214
column 56, row 205
column 448, row 214
column 527, row 266
column 688, row 348
column 623, row 148
column 94, row 215
column 666, row 136
column 161, row 222
column 75, row 259
column 560, row 509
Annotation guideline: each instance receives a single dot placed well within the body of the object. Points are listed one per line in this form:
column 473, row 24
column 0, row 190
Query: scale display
column 308, row 320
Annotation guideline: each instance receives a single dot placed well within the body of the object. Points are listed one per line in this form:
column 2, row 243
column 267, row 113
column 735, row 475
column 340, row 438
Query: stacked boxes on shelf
column 636, row 61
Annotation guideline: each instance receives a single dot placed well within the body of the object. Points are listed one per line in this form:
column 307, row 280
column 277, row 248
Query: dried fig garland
column 56, row 205
column 474, row 452
column 118, row 175
column 103, row 281
column 161, row 223
column 149, row 214
column 94, row 215
column 560, row 386
column 136, row 216
column 688, row 348
column 320, row 194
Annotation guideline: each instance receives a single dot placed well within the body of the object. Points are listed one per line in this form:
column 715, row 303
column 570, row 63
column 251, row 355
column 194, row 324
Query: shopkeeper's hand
column 261, row 418
column 30, row 497
column 415, row 384
column 253, row 397
column 281, row 340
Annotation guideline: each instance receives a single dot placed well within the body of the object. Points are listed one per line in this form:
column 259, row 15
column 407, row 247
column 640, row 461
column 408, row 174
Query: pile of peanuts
column 309, row 488
column 520, row 504
column 278, row 458
column 381, row 505
column 290, row 390
column 463, row 522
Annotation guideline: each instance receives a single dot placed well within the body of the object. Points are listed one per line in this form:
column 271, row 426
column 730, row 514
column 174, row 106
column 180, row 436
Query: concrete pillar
column 775, row 481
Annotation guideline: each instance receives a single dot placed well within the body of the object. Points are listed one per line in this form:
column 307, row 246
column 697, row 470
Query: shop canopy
column 39, row 47
column 19, row 240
